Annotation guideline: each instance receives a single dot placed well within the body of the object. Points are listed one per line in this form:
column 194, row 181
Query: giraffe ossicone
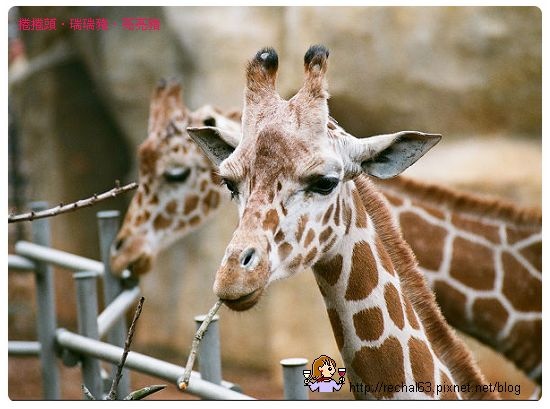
column 304, row 201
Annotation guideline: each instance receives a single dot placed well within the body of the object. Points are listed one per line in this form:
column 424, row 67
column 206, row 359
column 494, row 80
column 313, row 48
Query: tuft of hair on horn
column 262, row 69
column 268, row 59
column 315, row 58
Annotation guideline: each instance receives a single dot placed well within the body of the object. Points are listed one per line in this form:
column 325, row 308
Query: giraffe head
column 171, row 167
column 289, row 175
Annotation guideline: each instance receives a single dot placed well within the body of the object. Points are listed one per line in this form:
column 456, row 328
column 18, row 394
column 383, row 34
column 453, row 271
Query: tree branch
column 183, row 381
column 71, row 207
column 86, row 392
column 127, row 343
column 144, row 392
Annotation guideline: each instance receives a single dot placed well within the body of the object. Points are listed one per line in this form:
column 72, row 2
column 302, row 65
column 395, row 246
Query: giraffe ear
column 218, row 144
column 386, row 156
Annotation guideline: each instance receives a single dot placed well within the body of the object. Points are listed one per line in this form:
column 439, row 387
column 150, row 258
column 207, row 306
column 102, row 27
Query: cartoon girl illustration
column 321, row 379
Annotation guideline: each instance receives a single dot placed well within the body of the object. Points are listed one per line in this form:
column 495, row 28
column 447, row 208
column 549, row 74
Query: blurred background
column 78, row 109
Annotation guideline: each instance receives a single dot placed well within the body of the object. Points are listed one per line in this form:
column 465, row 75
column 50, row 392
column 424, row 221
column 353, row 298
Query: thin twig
column 183, row 381
column 87, row 394
column 127, row 343
column 65, row 208
column 144, row 392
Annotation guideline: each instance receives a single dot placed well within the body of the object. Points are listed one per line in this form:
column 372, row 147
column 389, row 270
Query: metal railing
column 87, row 348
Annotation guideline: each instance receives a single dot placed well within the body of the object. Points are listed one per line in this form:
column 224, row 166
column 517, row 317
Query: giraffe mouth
column 141, row 265
column 245, row 302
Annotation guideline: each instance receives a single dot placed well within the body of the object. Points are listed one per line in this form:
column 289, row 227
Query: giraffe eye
column 232, row 186
column 176, row 175
column 323, row 185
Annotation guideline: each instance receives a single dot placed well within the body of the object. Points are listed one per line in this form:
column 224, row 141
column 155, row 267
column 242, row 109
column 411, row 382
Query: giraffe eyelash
column 231, row 186
column 324, row 185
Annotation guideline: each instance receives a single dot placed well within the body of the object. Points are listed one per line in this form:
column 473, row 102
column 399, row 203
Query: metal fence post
column 108, row 223
column 86, row 303
column 293, row 369
column 210, row 366
column 46, row 319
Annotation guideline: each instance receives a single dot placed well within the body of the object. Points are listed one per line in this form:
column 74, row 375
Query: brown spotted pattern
column 532, row 254
column 161, row 222
column 363, row 276
column 415, row 231
column 490, row 315
column 520, row 287
column 271, row 221
column 383, row 364
column 327, row 215
column 284, row 250
column 411, row 317
column 211, row 201
column 191, row 203
column 302, row 223
column 369, row 324
column 487, row 231
column 452, row 303
column 310, row 256
column 331, row 269
column 515, row 234
column 473, row 265
column 325, row 234
column 517, row 343
column 422, row 363
column 394, row 305
column 337, row 328
column 489, row 280
column 384, row 257
column 309, row 237
column 279, row 236
column 431, row 210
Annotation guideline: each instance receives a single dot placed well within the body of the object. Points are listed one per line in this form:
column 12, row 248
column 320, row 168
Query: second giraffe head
column 178, row 186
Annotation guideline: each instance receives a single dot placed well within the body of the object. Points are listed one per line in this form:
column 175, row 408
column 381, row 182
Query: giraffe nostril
column 249, row 258
column 210, row 121
column 118, row 244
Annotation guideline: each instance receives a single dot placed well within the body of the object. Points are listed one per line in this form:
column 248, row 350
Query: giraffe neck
column 385, row 320
column 483, row 261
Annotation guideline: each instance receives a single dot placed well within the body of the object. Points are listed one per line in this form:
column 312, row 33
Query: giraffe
column 170, row 167
column 421, row 210
column 304, row 202
column 483, row 260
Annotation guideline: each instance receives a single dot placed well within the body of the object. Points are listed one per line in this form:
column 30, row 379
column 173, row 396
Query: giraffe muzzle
column 241, row 279
column 130, row 253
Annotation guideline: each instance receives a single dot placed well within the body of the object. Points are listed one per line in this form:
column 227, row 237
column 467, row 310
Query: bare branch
column 87, row 394
column 144, row 392
column 65, row 208
column 127, row 343
column 183, row 381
